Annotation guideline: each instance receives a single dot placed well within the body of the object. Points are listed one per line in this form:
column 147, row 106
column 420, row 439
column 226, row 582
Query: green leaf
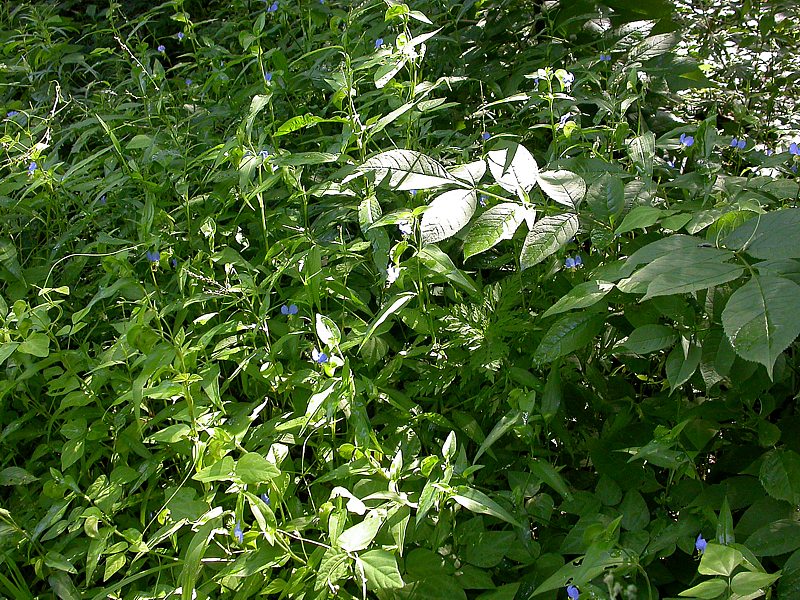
column 760, row 318
column 635, row 514
column 380, row 570
column 114, row 563
column 745, row 584
column 642, row 151
column 252, row 468
column 725, row 534
column 606, row 197
column 569, row 333
column 58, row 561
column 681, row 364
column 546, row 237
column 772, row 235
column 303, row 121
column 194, row 555
column 37, row 344
column 707, row 590
column 719, row 560
column 222, row 470
column 505, row 423
column 387, row 71
column 390, row 307
column 360, row 536
column 72, row 452
column 582, row 295
column 640, row 217
column 327, row 331
column 447, row 214
column 564, row 187
column 257, row 104
column 778, row 537
column 492, row 226
column 406, row 170
column 650, row 338
column 513, row 167
column 780, row 475
column 335, row 565
column 478, row 502
column 435, row 586
column 548, row 474
column 441, row 264
column 16, row 476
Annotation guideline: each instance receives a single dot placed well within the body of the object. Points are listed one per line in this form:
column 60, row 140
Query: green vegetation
column 443, row 300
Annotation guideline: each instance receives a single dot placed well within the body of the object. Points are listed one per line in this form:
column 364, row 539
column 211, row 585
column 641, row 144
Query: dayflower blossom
column 573, row 592
column 161, row 48
column 265, row 498
column 736, row 143
column 267, row 76
column 794, row 149
column 564, row 118
column 264, row 154
column 378, row 43
column 188, row 82
column 289, row 310
column 174, row 262
column 573, row 263
column 319, row 357
column 412, row 192
column 700, row 544
column 237, row 532
column 12, row 113
column 153, row 256
column 32, row 167
column 273, row 7
column 102, row 199
column 485, row 136
column 687, row 140
column 181, row 35
column 605, row 57
column 569, row 79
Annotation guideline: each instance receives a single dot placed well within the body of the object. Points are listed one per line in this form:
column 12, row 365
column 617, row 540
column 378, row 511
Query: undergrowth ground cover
column 442, row 300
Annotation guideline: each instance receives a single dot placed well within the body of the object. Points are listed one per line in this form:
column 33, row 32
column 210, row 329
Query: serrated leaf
column 448, row 214
column 406, row 170
column 606, row 197
column 780, row 475
column 582, row 295
column 772, row 235
column 760, row 318
column 496, row 224
column 546, row 237
column 564, row 187
column 380, row 570
column 568, row 334
column 513, row 167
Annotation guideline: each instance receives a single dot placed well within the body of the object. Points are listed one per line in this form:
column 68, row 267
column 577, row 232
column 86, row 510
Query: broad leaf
column 546, row 237
column 780, row 475
column 447, row 214
column 494, row 225
column 513, row 167
column 772, row 235
column 252, row 468
column 568, row 334
column 380, row 570
column 564, row 187
column 360, row 536
column 606, row 197
column 479, row 502
column 582, row 295
column 406, row 170
column 650, row 338
column 760, row 318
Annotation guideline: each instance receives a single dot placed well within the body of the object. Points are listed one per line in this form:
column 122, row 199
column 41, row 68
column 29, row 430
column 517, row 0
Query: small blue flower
column 378, row 43
column 161, row 48
column 578, row 260
column 273, row 7
column 742, row 144
column 267, row 76
column 737, row 143
column 153, row 256
column 102, row 200
column 485, row 136
column 412, row 192
column 605, row 57
column 32, row 167
column 289, row 310
column 319, row 357
column 687, row 140
column 482, row 200
column 181, row 35
column 188, row 82
column 769, row 152
column 12, row 113
column 264, row 154
column 265, row 498
column 573, row 592
column 700, row 544
column 174, row 262
column 237, row 532
column 569, row 263
column 793, row 148
column 564, row 118
column 734, row 143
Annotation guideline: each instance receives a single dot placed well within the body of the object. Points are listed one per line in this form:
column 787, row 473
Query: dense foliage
column 316, row 299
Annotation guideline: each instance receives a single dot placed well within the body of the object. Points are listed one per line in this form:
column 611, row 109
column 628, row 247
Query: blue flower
column 569, row 263
column 578, row 260
column 237, row 532
column 378, row 43
column 319, row 357
column 188, row 82
column 671, row 163
column 289, row 310
column 485, row 136
column 793, row 147
column 161, row 48
column 605, row 57
column 736, row 143
column 742, row 144
column 573, row 592
column 273, row 7
column 12, row 113
column 265, row 498
column 412, row 192
column 102, row 199
column 153, row 256
column 700, row 544
column 32, row 167
column 564, row 118
column 264, row 154
column 482, row 200
column 174, row 262
column 687, row 140
column 267, row 76
column 181, row 35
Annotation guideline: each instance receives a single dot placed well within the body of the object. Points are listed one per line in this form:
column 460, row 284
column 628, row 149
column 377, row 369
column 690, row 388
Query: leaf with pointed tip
column 406, row 170
column 760, row 318
column 494, row 225
column 470, row 173
column 513, row 167
column 448, row 214
column 564, row 187
column 773, row 235
column 582, row 295
column 547, row 236
column 568, row 334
